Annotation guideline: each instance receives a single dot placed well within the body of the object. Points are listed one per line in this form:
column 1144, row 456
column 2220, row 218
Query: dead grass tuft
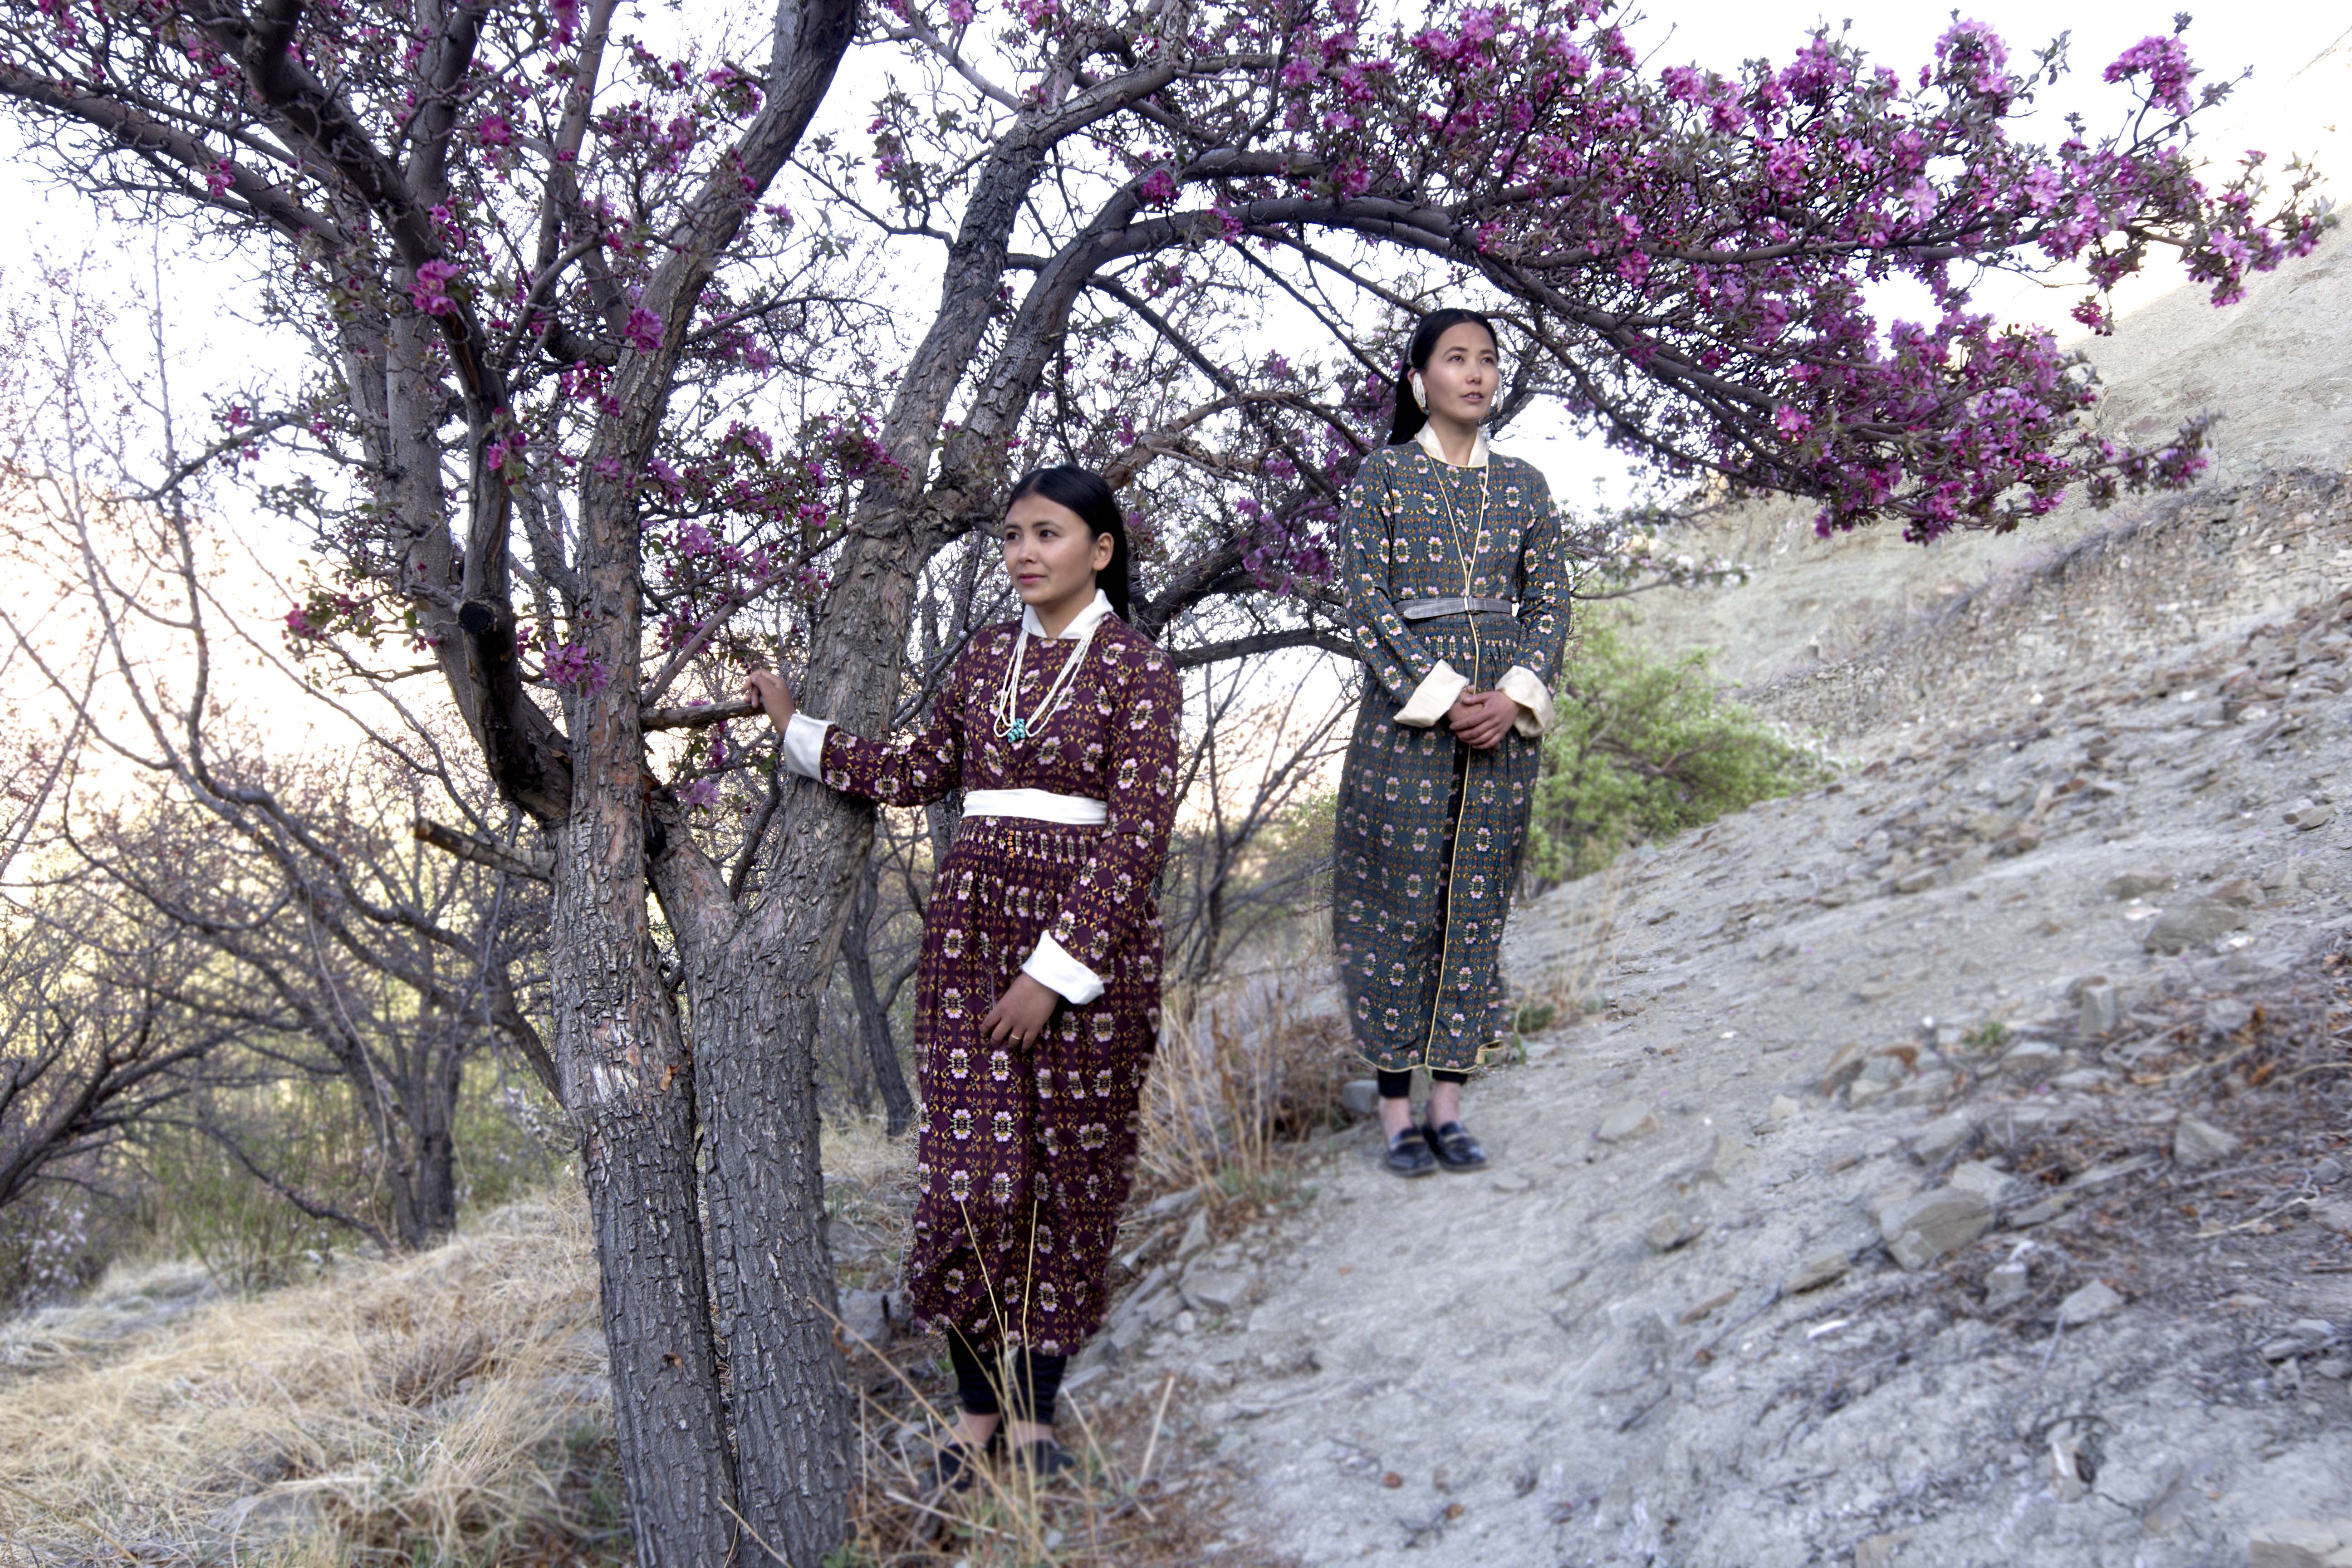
column 447, row 1407
column 1256, row 1071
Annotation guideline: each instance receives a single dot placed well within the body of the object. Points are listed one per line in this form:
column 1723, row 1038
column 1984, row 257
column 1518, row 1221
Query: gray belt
column 1430, row 609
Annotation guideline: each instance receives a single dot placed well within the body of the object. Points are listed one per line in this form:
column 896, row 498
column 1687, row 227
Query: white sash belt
column 1037, row 805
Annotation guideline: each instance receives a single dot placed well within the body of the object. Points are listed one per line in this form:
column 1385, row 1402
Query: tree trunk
column 873, row 1019
column 629, row 1086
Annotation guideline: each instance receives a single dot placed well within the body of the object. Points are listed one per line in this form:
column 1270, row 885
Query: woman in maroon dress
column 1038, row 1001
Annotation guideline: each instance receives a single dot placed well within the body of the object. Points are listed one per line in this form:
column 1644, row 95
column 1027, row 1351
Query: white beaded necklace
column 1007, row 721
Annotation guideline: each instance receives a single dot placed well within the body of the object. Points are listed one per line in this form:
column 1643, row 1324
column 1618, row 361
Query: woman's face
column 1463, row 372
column 1050, row 553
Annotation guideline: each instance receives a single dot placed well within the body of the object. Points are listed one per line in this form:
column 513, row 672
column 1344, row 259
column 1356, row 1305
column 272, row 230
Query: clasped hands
column 1020, row 1014
column 1482, row 719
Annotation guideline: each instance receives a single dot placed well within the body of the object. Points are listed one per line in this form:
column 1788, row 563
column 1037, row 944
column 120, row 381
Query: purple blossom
column 644, row 330
column 571, row 666
column 431, row 292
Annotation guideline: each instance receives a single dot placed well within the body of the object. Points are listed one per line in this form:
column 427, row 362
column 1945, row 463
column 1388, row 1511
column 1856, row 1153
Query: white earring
column 1419, row 396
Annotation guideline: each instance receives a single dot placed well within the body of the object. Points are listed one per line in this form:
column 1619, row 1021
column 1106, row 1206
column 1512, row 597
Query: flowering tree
column 545, row 270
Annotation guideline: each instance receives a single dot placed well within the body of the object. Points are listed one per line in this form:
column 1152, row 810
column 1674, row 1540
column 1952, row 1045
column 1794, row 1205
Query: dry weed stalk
column 1242, row 1071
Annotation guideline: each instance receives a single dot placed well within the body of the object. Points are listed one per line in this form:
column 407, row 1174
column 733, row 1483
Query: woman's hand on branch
column 1482, row 719
column 1020, row 1014
column 774, row 695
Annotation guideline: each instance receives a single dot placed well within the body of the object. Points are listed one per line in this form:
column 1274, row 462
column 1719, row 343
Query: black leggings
column 1037, row 1379
column 1398, row 1085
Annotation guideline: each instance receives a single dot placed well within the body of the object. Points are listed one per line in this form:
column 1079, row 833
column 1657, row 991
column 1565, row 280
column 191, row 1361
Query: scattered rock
column 1878, row 1551
column 1903, row 1189
column 1822, row 1268
column 1214, row 1289
column 1917, row 1231
column 2043, row 1213
column 1928, row 1089
column 2106, row 1175
column 1943, row 1137
column 2281, row 878
column 2088, row 1305
column 2197, row 1144
column 866, row 1317
column 1920, row 881
column 1844, row 1067
column 2191, row 923
column 2140, row 883
column 2101, row 1010
column 2304, row 1336
column 1628, row 1122
column 2030, row 1062
column 2306, row 815
column 1360, row 1097
column 2327, row 1172
column 1988, row 1182
column 2332, row 1366
column 2007, row 1285
column 1512, row 1181
column 1880, row 1077
column 2238, row 892
column 1781, row 1109
column 1195, row 1237
column 2295, row 1544
column 1669, row 1231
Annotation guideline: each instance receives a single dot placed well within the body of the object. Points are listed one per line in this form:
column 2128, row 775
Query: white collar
column 1426, row 439
column 1080, row 623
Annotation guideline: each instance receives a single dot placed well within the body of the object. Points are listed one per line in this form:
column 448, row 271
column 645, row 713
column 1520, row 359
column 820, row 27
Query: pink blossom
column 644, row 331
column 431, row 292
column 2164, row 61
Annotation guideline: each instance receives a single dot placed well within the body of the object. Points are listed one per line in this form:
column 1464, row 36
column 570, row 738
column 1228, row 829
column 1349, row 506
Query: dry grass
column 1125, row 1507
column 452, row 1408
column 1255, row 1072
column 444, row 1408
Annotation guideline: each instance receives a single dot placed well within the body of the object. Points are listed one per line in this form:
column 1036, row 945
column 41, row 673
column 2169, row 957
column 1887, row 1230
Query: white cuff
column 1535, row 717
column 805, row 746
column 1053, row 967
column 1430, row 701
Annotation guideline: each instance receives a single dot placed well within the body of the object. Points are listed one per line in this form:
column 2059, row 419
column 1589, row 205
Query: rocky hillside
column 1952, row 1173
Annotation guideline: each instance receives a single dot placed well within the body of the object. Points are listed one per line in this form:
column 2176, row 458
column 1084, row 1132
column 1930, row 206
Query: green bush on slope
column 1643, row 749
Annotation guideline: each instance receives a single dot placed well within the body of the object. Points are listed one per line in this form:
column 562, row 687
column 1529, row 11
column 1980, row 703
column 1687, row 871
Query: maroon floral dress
column 1026, row 1152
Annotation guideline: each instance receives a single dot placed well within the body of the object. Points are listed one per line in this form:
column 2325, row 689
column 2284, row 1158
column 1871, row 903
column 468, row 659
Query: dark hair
column 1089, row 494
column 1409, row 417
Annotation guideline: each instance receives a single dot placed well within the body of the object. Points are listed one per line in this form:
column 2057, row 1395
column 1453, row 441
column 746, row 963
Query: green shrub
column 1645, row 748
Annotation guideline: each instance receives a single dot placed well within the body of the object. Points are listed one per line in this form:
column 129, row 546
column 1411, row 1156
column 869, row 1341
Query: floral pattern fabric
column 1426, row 848
column 1026, row 1152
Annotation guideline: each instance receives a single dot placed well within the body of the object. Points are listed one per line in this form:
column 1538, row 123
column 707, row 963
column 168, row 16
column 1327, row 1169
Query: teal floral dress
column 1429, row 834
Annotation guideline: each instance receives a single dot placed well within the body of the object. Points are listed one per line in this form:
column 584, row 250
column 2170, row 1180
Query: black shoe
column 953, row 1466
column 1455, row 1148
column 1044, row 1458
column 1409, row 1154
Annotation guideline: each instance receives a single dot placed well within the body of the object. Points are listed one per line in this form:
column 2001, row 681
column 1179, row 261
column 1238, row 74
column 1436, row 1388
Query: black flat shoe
column 1044, row 1458
column 1409, row 1154
column 1455, row 1148
column 955, row 1464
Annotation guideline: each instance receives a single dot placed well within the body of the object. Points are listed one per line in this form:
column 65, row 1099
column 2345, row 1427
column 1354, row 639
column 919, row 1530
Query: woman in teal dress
column 1457, row 589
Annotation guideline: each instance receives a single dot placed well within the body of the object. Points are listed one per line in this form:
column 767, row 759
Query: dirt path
column 1607, row 1349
